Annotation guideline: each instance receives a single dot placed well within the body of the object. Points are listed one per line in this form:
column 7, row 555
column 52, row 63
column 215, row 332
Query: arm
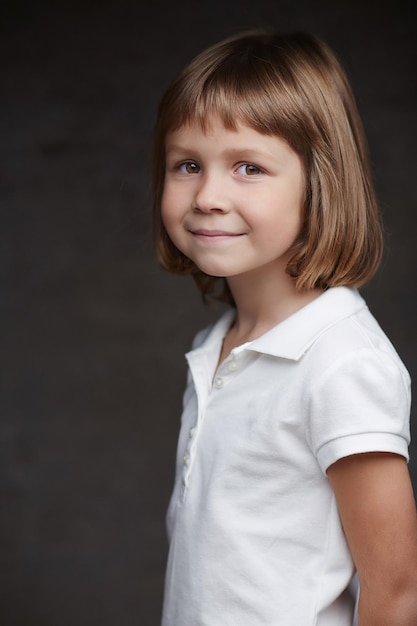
column 377, row 508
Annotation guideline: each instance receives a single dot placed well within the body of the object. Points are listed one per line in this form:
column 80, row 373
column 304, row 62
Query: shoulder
column 356, row 342
column 201, row 336
column 214, row 331
column 356, row 361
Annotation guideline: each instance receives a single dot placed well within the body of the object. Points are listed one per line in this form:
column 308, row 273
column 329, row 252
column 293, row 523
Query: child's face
column 232, row 200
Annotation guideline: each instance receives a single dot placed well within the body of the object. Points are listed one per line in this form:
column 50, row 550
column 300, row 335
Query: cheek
column 171, row 214
column 295, row 206
column 167, row 207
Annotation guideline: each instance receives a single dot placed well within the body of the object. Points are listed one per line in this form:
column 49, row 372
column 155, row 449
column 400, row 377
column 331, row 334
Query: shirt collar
column 291, row 338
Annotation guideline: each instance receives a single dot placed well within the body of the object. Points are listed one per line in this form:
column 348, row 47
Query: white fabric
column 255, row 537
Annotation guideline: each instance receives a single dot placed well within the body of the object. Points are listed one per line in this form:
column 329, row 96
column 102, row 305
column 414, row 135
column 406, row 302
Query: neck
column 263, row 300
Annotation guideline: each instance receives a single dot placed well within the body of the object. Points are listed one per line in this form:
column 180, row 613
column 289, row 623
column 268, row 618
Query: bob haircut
column 292, row 86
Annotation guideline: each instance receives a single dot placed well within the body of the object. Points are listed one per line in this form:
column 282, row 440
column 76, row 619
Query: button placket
column 219, row 382
column 187, row 461
column 230, row 365
column 233, row 365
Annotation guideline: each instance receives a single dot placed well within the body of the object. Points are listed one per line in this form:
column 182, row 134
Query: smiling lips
column 213, row 235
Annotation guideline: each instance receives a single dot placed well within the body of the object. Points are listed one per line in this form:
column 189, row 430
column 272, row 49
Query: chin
column 214, row 270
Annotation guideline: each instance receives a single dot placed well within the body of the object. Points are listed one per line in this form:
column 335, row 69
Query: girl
column 292, row 457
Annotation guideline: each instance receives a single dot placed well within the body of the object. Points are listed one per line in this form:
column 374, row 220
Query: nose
column 211, row 195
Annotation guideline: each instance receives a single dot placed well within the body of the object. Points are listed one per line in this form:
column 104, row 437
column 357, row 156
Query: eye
column 189, row 167
column 248, row 169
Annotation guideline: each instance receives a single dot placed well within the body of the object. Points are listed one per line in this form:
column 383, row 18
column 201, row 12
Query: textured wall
column 93, row 334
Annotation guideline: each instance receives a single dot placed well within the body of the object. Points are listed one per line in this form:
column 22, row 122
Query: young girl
column 292, row 457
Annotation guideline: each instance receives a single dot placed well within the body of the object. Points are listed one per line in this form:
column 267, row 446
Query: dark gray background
column 93, row 333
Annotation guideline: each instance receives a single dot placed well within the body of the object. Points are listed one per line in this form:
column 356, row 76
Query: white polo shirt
column 255, row 536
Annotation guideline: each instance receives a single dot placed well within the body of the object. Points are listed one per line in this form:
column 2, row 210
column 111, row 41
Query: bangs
column 232, row 104
column 253, row 94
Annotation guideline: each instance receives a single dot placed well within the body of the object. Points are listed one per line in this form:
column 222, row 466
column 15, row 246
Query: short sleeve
column 361, row 403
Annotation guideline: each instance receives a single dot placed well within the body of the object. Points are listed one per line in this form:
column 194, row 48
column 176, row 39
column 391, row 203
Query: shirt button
column 192, row 432
column 218, row 383
column 232, row 365
column 186, row 459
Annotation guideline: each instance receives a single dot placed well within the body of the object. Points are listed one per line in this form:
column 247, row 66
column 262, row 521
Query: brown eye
column 190, row 167
column 248, row 169
column 252, row 169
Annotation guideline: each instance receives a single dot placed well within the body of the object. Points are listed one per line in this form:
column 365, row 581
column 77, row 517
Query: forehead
column 207, row 125
column 215, row 129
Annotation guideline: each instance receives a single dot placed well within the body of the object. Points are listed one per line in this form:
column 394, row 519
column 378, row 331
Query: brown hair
column 294, row 87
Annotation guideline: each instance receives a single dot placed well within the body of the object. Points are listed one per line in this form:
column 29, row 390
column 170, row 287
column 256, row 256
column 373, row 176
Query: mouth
column 214, row 235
